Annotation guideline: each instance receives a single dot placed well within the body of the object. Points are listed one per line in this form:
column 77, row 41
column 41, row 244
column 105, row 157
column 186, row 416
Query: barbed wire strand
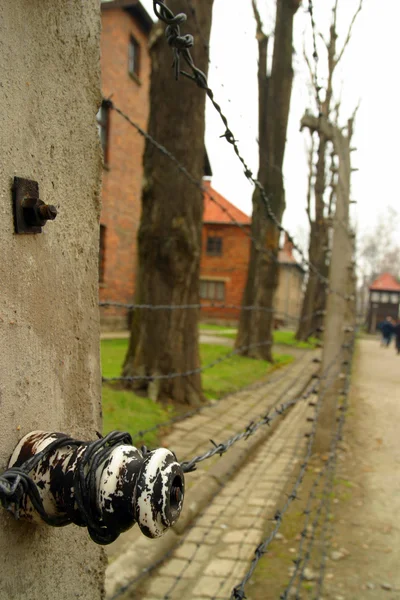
column 180, row 46
column 251, row 428
column 261, row 513
column 301, row 560
column 170, row 552
column 221, row 513
column 238, row 591
column 286, row 369
column 197, row 370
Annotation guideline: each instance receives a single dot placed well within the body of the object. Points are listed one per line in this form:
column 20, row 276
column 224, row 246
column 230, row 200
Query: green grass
column 237, row 372
column 126, row 411
column 286, row 338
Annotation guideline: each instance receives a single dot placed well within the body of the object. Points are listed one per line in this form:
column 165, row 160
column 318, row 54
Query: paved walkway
column 215, row 552
column 368, row 508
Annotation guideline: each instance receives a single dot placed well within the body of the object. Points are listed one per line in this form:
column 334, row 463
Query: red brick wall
column 231, row 267
column 122, row 177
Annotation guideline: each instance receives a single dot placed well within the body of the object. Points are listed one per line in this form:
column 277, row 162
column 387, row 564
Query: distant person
column 386, row 328
column 397, row 336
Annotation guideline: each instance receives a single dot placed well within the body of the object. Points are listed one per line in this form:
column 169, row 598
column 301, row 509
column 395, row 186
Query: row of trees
column 169, row 240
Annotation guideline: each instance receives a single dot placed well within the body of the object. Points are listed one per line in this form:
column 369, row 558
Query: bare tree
column 319, row 207
column 169, row 238
column 255, row 327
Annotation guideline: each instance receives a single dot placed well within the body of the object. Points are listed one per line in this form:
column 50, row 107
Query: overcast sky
column 369, row 72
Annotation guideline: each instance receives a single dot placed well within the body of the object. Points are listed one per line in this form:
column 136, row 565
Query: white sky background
column 369, row 72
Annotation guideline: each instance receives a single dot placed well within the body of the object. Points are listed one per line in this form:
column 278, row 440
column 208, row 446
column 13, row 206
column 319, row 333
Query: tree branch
column 260, row 33
column 349, row 32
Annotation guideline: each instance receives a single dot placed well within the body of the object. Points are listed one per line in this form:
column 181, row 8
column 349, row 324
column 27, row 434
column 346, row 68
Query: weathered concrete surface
column 49, row 327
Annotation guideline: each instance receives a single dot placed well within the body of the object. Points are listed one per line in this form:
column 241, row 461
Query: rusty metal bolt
column 47, row 212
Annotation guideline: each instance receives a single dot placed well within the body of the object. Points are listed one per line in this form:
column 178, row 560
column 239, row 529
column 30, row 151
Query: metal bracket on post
column 30, row 213
column 107, row 485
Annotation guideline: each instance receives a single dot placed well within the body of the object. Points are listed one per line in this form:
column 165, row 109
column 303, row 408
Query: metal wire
column 238, row 592
column 169, row 553
column 251, row 387
column 180, row 46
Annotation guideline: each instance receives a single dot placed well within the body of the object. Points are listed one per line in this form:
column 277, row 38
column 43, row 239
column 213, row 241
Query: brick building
column 224, row 262
column 125, row 71
column 384, row 300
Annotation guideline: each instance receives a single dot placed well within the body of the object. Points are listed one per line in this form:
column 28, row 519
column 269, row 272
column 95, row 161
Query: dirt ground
column 364, row 558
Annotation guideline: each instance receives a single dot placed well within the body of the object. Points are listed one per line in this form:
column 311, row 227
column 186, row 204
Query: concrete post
column 337, row 303
column 49, row 324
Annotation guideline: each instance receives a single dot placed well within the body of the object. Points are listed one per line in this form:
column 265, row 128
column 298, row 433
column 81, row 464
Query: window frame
column 217, row 286
column 217, row 242
column 134, row 56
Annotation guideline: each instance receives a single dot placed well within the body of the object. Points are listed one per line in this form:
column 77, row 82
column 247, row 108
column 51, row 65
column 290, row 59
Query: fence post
column 337, row 298
column 49, row 326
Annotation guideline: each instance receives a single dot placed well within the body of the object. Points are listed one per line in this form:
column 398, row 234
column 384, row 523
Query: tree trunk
column 169, row 240
column 315, row 295
column 255, row 327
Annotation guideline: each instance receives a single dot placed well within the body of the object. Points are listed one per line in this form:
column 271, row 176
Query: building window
column 102, row 253
column 103, row 125
column 384, row 297
column 134, row 58
column 212, row 290
column 375, row 297
column 395, row 298
column 214, row 246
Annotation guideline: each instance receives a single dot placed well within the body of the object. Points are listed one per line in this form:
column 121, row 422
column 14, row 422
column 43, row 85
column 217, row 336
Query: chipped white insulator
column 128, row 486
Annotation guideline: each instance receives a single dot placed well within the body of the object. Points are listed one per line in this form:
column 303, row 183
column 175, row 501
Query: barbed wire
column 170, row 552
column 197, row 370
column 238, row 592
column 200, row 306
column 248, row 430
column 261, row 513
column 180, row 46
column 305, row 262
column 253, row 426
column 251, row 388
column 190, row 372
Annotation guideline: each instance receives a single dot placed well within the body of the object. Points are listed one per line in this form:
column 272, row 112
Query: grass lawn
column 126, row 411
column 281, row 337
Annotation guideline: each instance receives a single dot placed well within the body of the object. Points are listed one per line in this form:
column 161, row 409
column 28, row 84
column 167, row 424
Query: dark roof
column 385, row 282
column 135, row 8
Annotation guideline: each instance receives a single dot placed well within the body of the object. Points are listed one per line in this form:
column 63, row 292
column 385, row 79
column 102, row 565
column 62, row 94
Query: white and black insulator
column 106, row 488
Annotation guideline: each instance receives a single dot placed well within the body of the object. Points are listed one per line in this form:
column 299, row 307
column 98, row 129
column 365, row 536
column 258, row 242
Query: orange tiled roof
column 213, row 213
column 385, row 282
